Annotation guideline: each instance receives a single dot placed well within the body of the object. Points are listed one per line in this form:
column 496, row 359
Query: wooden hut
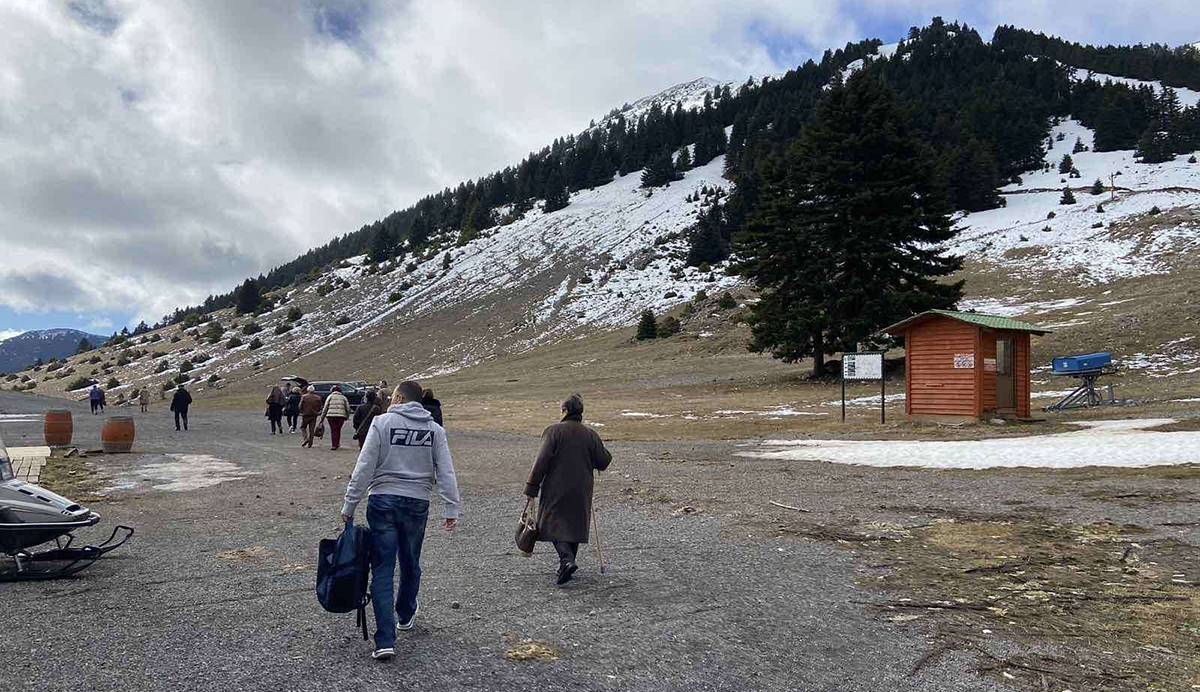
column 964, row 365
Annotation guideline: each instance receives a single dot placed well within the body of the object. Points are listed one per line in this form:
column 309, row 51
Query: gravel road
column 703, row 601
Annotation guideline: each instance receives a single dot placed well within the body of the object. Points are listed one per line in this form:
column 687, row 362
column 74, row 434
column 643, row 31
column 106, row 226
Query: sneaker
column 387, row 653
column 405, row 626
column 565, row 572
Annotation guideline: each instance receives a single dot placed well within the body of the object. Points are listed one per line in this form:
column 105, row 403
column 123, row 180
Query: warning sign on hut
column 964, row 361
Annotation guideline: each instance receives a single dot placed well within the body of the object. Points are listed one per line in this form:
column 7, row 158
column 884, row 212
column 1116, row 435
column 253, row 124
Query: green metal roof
column 988, row 321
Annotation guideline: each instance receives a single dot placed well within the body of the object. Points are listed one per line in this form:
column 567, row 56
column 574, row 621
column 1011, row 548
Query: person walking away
column 433, row 406
column 103, row 400
column 94, row 398
column 292, row 408
column 144, row 398
column 275, row 402
column 179, row 405
column 404, row 456
column 563, row 474
column 364, row 414
column 310, row 408
column 336, row 411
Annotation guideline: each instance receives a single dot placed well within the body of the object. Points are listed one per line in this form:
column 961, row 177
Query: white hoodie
column 404, row 454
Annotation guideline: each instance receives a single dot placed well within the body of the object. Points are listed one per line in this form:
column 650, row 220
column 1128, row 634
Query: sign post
column 864, row 366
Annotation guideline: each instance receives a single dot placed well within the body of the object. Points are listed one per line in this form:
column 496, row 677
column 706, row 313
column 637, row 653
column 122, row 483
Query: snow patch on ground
column 1126, row 443
column 180, row 473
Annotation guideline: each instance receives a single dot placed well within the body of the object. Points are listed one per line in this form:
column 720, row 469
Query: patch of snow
column 182, row 472
column 868, row 400
column 1126, row 443
column 635, row 414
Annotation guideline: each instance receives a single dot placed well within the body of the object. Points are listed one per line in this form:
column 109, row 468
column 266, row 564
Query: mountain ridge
column 17, row 352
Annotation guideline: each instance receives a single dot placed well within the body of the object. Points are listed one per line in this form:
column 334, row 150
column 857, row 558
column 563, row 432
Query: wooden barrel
column 117, row 434
column 58, row 428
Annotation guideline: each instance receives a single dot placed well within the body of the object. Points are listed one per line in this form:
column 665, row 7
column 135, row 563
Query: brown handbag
column 527, row 532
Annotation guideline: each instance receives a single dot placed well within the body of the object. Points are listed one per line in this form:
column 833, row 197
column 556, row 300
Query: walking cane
column 596, row 528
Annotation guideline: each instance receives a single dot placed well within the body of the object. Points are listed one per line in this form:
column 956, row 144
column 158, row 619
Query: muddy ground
column 866, row 579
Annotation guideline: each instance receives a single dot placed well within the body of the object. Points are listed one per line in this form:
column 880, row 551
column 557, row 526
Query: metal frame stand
column 1085, row 395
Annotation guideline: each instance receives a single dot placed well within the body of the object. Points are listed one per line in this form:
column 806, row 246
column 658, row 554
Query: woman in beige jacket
column 336, row 411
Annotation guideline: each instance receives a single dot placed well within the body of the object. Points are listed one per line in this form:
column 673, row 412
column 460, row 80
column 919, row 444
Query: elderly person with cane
column 562, row 475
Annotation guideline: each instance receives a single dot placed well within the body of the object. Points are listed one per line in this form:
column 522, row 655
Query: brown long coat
column 563, row 474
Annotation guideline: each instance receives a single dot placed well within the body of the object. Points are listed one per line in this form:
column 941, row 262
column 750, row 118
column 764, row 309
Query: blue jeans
column 397, row 531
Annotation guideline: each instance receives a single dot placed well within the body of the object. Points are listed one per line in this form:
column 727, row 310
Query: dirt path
column 711, row 587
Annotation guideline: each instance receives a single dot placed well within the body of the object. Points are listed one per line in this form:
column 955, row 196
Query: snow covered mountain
column 617, row 250
column 19, row 351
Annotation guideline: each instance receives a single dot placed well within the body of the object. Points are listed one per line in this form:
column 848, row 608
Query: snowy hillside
column 689, row 94
column 617, row 250
column 595, row 265
column 1089, row 241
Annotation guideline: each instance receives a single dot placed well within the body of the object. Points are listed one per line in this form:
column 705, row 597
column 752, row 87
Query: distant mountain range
column 19, row 351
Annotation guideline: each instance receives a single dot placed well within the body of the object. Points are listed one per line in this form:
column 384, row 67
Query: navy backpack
column 343, row 572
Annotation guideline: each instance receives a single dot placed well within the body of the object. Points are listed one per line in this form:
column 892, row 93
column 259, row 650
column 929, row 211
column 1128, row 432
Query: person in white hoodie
column 404, row 454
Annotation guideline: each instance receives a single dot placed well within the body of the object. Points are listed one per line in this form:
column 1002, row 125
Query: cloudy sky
column 153, row 152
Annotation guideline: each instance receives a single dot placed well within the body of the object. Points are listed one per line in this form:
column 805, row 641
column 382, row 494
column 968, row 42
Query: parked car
column 353, row 394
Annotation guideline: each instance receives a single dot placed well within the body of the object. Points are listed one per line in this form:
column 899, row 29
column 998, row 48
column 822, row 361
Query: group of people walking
column 405, row 453
column 312, row 413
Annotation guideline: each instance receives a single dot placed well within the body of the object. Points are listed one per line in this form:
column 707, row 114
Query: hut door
column 1006, row 383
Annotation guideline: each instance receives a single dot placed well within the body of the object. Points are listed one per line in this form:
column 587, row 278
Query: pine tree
column 707, row 241
column 1079, row 147
column 1098, row 187
column 557, row 196
column 381, row 245
column 647, row 327
column 84, row 346
column 1066, row 164
column 660, row 171
column 1067, row 196
column 1155, row 147
column 847, row 235
column 684, row 162
column 248, row 297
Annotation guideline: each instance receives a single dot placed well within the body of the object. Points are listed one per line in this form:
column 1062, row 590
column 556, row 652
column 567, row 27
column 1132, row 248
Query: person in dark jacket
column 310, row 408
column 571, row 452
column 94, row 395
column 365, row 413
column 275, row 402
column 292, row 408
column 179, row 405
column 433, row 406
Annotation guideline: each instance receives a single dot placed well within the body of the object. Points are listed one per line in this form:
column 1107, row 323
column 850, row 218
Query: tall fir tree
column 647, row 326
column 707, row 242
column 1155, row 146
column 660, row 170
column 381, row 245
column 849, row 230
column 249, row 297
column 557, row 196
column 684, row 161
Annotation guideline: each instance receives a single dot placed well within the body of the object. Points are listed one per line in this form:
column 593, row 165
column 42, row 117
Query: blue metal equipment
column 1087, row 368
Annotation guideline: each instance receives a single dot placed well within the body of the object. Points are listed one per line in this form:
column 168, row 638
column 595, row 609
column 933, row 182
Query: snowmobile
column 30, row 516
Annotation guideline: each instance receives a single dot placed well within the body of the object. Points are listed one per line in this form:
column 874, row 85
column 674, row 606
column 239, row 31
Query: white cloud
column 100, row 324
column 156, row 151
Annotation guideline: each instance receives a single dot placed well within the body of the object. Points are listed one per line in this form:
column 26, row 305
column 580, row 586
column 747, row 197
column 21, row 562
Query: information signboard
column 866, row 366
column 862, row 366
